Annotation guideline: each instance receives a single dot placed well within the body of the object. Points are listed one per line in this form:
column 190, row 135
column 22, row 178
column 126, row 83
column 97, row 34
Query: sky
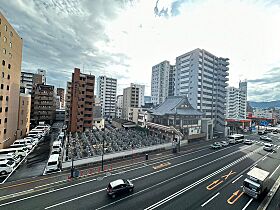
column 125, row 38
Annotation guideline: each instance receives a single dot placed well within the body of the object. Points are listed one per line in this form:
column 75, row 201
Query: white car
column 6, row 167
column 268, row 147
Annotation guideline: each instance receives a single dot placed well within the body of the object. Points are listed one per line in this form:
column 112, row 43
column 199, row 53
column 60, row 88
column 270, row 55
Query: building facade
column 43, row 104
column 119, row 106
column 202, row 77
column 236, row 105
column 24, row 115
column 26, row 80
column 10, row 58
column 68, row 103
column 130, row 101
column 60, row 93
column 107, row 93
column 43, row 74
column 162, row 84
column 141, row 93
column 82, row 102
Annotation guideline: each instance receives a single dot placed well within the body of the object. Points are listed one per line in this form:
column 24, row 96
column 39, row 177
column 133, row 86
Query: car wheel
column 3, row 172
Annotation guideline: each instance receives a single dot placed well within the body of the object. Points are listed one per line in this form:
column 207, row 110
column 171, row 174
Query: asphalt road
column 197, row 178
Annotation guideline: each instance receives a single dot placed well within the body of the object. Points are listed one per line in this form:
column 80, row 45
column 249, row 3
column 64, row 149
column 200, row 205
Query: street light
column 102, row 160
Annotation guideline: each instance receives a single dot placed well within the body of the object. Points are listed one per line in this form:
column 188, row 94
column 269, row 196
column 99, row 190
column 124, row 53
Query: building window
column 9, row 66
column 6, row 120
column 8, row 88
column 10, row 55
column 4, row 51
column 1, row 98
column 11, row 34
column 3, row 74
column 9, row 76
column 5, row 39
column 3, row 62
column 7, row 98
column 5, row 131
column 6, row 109
column 11, row 45
column 0, row 109
column 6, row 28
column 2, row 86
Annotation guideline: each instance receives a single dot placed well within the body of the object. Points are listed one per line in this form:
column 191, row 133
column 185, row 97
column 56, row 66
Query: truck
column 257, row 183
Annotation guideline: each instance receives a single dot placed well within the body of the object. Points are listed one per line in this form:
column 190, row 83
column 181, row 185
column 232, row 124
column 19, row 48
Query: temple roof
column 176, row 105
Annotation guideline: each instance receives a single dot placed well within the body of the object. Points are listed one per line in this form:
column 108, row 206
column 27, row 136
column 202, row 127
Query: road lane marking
column 162, row 165
column 214, row 184
column 37, row 195
column 73, row 199
column 264, row 158
column 227, row 175
column 210, row 199
column 159, row 203
column 175, row 177
column 235, row 194
column 247, row 204
column 274, row 172
column 237, row 179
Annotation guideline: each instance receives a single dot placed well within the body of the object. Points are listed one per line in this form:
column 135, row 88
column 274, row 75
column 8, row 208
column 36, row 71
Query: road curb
column 270, row 195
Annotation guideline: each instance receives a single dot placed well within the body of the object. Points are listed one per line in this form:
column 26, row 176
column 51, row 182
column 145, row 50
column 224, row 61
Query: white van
column 56, row 147
column 9, row 151
column 6, row 167
column 35, row 140
column 21, row 151
column 53, row 163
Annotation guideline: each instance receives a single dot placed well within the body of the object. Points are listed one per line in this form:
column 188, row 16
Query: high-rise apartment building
column 162, row 84
column 82, row 102
column 43, row 73
column 60, row 93
column 68, row 103
column 236, row 105
column 43, row 104
column 202, row 77
column 10, row 58
column 130, row 101
column 107, row 93
column 141, row 93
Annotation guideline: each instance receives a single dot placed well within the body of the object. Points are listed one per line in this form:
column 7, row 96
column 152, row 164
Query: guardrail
column 68, row 164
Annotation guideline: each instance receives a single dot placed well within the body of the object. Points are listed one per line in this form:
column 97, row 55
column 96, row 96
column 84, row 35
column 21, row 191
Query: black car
column 119, row 187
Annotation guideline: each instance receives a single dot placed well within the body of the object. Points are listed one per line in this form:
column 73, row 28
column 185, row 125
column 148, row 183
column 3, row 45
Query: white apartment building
column 43, row 73
column 119, row 106
column 163, row 82
column 107, row 92
column 141, row 93
column 237, row 101
column 202, row 77
column 26, row 80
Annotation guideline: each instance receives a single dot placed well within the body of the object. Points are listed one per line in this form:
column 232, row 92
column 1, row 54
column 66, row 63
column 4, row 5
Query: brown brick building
column 43, row 104
column 82, row 101
column 10, row 61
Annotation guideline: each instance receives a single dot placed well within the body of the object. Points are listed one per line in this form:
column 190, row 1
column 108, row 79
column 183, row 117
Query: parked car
column 216, row 145
column 6, row 167
column 268, row 147
column 239, row 140
column 248, row 141
column 265, row 138
column 224, row 143
column 118, row 187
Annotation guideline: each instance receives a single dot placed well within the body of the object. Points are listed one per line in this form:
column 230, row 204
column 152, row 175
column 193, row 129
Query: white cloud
column 124, row 39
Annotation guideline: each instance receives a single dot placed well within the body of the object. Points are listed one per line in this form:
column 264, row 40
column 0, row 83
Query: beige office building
column 130, row 101
column 24, row 115
column 10, row 58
